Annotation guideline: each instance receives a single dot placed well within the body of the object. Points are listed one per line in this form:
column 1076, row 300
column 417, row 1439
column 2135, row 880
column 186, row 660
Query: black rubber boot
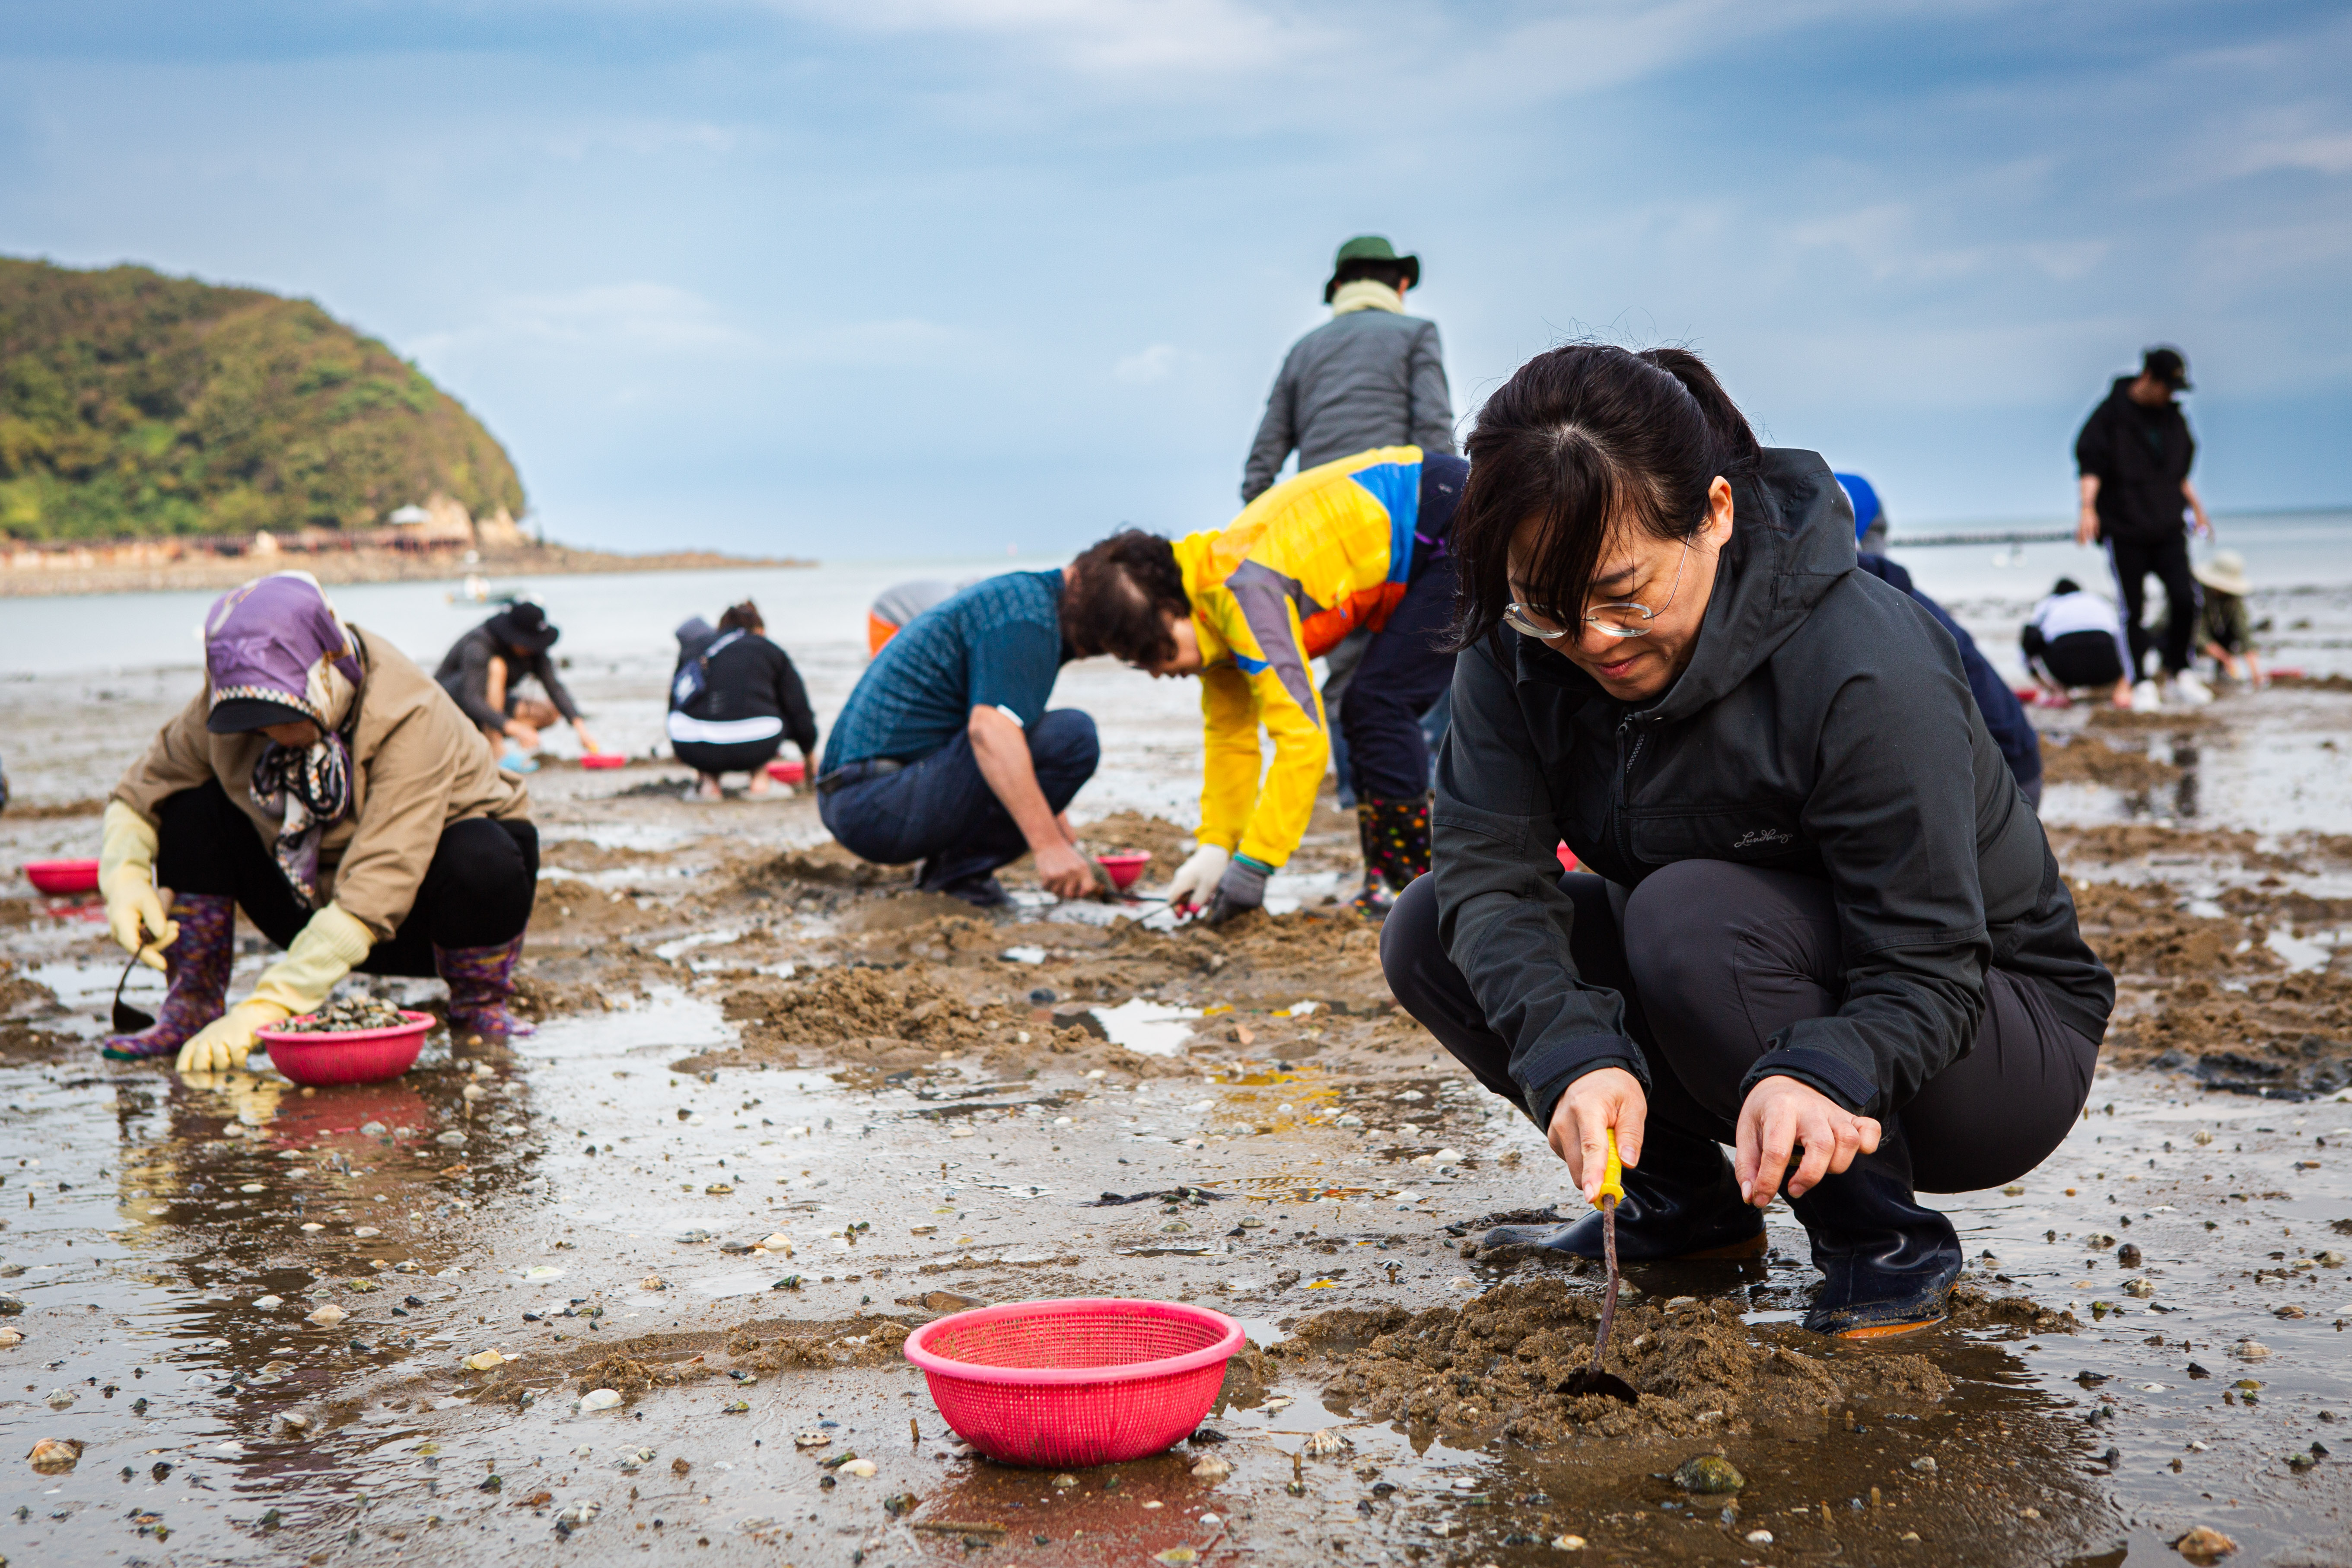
column 1395, row 839
column 1680, row 1202
column 1887, row 1262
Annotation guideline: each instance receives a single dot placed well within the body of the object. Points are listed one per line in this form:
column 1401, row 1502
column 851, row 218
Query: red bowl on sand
column 1125, row 867
column 62, row 877
column 1090, row 1381
column 354, row 1056
column 603, row 759
column 784, row 771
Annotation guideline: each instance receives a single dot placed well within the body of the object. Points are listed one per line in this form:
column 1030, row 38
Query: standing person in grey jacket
column 1370, row 377
column 1818, row 920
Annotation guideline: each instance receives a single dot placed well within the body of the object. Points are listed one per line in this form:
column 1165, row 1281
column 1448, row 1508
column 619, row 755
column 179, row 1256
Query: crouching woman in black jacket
column 1818, row 921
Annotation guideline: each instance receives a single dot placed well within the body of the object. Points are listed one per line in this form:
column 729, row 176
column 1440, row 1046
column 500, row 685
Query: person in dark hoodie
column 484, row 670
column 1818, row 920
column 2134, row 455
column 734, row 700
column 2004, row 715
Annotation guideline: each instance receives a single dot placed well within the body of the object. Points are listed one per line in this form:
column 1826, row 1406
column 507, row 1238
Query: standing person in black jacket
column 1816, row 912
column 735, row 699
column 2133, row 456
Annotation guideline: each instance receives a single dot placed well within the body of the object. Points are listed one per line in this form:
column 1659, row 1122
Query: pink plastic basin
column 63, row 876
column 603, row 759
column 1090, row 1381
column 1125, row 867
column 789, row 772
column 356, row 1055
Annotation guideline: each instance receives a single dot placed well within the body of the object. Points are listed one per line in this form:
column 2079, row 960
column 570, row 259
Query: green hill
column 135, row 403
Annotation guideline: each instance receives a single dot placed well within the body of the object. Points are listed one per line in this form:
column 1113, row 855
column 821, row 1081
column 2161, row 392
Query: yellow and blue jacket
column 1311, row 560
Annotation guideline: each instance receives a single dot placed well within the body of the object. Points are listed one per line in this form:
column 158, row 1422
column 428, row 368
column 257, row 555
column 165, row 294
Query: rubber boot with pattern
column 197, row 968
column 1887, row 1261
column 481, row 983
column 1394, row 835
column 1681, row 1201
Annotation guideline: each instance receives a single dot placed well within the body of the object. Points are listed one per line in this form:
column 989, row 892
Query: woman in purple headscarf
column 325, row 785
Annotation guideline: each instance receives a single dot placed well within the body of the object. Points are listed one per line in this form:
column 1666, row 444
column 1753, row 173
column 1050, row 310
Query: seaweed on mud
column 878, row 1346
column 2086, row 759
column 1497, row 1363
column 628, row 1376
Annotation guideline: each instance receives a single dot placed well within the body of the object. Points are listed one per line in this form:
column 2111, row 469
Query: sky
column 891, row 278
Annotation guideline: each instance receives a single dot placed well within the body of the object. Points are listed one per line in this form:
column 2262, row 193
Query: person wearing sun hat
column 1370, row 377
column 321, row 783
column 2224, row 632
column 484, row 668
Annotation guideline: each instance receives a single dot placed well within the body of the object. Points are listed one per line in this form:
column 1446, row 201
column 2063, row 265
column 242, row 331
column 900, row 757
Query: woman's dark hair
column 1391, row 273
column 1589, row 439
column 2065, row 585
column 1118, row 594
column 744, row 616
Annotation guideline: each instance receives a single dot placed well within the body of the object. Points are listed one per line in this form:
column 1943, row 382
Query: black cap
column 524, row 625
column 2165, row 363
column 236, row 715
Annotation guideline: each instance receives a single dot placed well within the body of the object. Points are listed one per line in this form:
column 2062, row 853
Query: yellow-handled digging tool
column 1592, row 1379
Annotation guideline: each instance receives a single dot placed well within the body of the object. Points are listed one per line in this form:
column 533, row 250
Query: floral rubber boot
column 1394, row 835
column 196, row 967
column 481, row 983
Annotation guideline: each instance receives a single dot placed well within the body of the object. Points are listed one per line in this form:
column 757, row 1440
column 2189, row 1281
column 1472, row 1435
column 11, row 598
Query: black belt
column 850, row 774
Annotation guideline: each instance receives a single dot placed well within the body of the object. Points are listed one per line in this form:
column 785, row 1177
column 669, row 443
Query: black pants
column 740, row 757
column 940, row 810
column 2133, row 560
column 1712, row 960
column 477, row 892
column 2077, row 658
column 1404, row 671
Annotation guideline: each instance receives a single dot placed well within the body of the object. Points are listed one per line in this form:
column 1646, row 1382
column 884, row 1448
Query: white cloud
column 645, row 317
column 1157, row 363
column 1121, row 36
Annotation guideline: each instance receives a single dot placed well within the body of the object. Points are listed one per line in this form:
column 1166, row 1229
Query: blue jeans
column 941, row 811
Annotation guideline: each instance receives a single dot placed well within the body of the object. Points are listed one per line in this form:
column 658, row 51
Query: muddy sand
column 781, row 1109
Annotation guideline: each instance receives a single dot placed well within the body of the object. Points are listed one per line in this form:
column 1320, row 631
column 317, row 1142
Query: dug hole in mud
column 638, row 1283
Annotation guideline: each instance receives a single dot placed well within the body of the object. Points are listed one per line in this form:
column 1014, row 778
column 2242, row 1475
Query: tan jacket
column 417, row 766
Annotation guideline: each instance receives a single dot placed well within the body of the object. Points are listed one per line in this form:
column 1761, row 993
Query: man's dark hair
column 1587, row 439
column 1119, row 595
column 2064, row 586
column 1392, row 273
column 744, row 616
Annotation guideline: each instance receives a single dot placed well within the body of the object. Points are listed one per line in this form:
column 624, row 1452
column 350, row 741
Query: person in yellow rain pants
column 1357, row 543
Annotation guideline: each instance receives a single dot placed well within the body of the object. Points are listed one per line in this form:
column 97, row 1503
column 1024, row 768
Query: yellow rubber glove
column 326, row 950
column 126, row 875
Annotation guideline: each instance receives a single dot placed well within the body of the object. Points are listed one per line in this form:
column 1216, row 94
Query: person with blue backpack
column 734, row 700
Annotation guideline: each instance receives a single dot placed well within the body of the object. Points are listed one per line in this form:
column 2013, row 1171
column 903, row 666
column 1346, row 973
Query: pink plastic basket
column 354, row 1056
column 1090, row 1381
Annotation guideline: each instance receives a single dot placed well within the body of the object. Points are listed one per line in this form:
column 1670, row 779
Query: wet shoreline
column 751, row 1044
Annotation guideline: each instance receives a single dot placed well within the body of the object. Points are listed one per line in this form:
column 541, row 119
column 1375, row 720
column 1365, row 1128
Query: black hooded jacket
column 1823, row 726
column 2139, row 455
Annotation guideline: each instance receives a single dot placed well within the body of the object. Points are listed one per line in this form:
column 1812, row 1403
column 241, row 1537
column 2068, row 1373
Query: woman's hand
column 1610, row 1097
column 1782, row 1114
column 523, row 733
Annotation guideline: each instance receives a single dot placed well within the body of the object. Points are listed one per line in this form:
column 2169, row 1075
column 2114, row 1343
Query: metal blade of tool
column 1592, row 1379
column 128, row 1020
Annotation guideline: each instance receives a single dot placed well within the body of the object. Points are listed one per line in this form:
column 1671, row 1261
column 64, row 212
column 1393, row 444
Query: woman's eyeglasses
column 1627, row 619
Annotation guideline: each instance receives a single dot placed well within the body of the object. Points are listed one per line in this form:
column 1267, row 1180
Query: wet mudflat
column 779, row 1111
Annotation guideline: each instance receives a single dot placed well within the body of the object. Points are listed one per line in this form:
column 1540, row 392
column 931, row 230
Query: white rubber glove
column 126, row 875
column 325, row 950
column 1197, row 879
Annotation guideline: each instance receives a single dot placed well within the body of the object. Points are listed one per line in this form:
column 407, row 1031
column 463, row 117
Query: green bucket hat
column 1371, row 247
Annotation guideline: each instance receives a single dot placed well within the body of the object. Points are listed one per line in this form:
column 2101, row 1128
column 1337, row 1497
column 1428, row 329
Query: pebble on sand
column 1212, row 1468
column 1709, row 1473
column 313, row 1224
column 1568, row 1542
column 52, row 1455
column 862, row 1469
column 329, row 1315
column 1758, row 1538
column 58, row 1399
column 812, row 1438
column 1925, row 1465
column 1324, row 1443
column 483, row 1361
column 599, row 1399
column 2249, row 1349
column 10, row 1338
column 2204, row 1545
column 363, row 1232
column 269, row 1303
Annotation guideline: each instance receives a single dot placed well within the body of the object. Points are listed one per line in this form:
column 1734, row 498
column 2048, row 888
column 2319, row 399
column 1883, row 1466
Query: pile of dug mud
column 1495, row 1365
